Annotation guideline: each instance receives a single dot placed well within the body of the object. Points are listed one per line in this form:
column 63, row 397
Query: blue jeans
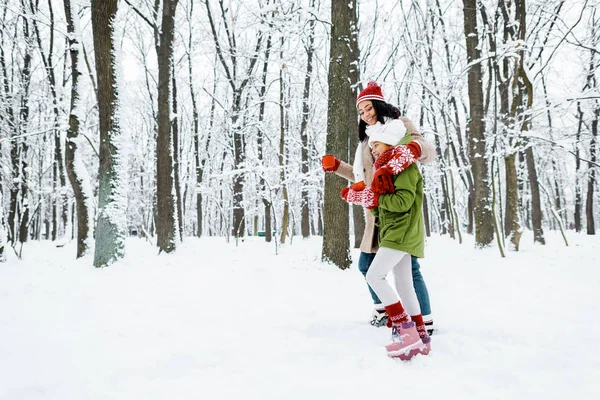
column 364, row 262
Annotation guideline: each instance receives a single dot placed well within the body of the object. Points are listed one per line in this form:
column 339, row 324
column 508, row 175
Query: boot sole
column 412, row 353
column 406, row 351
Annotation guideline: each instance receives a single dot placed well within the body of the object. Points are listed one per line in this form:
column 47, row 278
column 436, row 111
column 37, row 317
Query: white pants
column 385, row 261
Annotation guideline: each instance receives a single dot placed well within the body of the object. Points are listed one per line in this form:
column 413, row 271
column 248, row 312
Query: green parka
column 400, row 214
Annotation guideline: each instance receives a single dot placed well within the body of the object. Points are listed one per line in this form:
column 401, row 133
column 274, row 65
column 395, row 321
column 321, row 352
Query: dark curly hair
column 382, row 109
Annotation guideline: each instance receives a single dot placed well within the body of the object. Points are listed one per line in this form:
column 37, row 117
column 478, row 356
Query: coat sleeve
column 427, row 149
column 406, row 188
column 346, row 171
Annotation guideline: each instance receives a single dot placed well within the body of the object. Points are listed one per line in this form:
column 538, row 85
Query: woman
column 374, row 110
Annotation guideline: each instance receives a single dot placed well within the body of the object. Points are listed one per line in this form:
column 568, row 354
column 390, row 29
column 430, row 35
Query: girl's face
column 377, row 148
column 367, row 112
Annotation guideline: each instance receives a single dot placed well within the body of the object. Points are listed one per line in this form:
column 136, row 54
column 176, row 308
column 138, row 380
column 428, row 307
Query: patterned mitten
column 365, row 197
column 398, row 158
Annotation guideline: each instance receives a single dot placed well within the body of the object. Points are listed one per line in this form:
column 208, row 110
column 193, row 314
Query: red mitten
column 358, row 186
column 344, row 193
column 382, row 181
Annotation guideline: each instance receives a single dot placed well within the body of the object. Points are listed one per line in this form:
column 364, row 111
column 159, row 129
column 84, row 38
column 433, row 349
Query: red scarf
column 383, row 158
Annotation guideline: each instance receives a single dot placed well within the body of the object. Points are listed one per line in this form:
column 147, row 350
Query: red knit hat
column 371, row 92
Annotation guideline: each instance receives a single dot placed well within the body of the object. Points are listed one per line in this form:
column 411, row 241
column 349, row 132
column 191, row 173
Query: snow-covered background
column 220, row 321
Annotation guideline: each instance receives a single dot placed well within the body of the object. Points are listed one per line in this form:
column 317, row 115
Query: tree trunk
column 179, row 199
column 23, row 208
column 282, row 129
column 3, row 231
column 310, row 49
column 341, row 122
column 76, row 171
column 589, row 203
column 578, row 197
column 111, row 226
column 484, row 225
column 504, row 75
column 167, row 229
column 358, row 217
column 260, row 139
column 196, row 123
column 8, row 118
column 512, row 227
column 536, row 204
column 59, row 198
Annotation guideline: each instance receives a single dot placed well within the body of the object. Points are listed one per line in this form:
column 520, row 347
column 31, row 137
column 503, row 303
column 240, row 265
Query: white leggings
column 386, row 260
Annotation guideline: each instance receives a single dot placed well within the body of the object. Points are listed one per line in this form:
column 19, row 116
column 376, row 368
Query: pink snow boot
column 406, row 342
column 422, row 330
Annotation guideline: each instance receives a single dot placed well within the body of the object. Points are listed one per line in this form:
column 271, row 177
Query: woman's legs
column 420, row 287
column 364, row 262
column 378, row 318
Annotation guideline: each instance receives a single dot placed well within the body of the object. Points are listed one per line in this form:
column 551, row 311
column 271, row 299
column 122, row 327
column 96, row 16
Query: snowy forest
column 168, row 119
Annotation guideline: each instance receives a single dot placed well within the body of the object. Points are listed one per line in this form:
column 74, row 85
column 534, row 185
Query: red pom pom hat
column 371, row 92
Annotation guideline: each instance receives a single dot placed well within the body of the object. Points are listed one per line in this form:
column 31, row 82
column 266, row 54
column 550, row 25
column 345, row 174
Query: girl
column 397, row 201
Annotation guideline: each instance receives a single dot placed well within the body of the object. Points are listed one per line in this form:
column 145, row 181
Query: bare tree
column 59, row 199
column 309, row 45
column 74, row 163
column 229, row 58
column 341, row 122
column 3, row 233
column 111, row 230
column 267, row 204
column 283, row 128
column 484, row 225
column 167, row 228
column 592, row 85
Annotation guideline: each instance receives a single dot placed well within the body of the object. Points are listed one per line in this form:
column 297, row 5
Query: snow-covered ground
column 220, row 321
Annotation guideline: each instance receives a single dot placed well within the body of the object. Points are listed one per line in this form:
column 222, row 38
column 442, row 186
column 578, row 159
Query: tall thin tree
column 167, row 226
column 341, row 122
column 484, row 224
column 76, row 171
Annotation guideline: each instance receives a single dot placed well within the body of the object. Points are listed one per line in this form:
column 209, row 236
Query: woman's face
column 367, row 112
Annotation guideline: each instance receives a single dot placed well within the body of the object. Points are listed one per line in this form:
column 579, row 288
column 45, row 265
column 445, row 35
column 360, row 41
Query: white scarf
column 359, row 164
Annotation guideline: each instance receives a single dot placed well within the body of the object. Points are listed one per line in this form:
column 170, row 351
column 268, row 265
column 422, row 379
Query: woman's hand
column 329, row 163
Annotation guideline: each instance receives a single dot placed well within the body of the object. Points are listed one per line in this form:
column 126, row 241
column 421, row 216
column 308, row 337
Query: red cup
column 328, row 161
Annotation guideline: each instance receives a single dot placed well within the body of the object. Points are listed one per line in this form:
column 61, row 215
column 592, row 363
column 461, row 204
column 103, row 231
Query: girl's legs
column 406, row 340
column 385, row 260
column 406, row 289
column 403, row 278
